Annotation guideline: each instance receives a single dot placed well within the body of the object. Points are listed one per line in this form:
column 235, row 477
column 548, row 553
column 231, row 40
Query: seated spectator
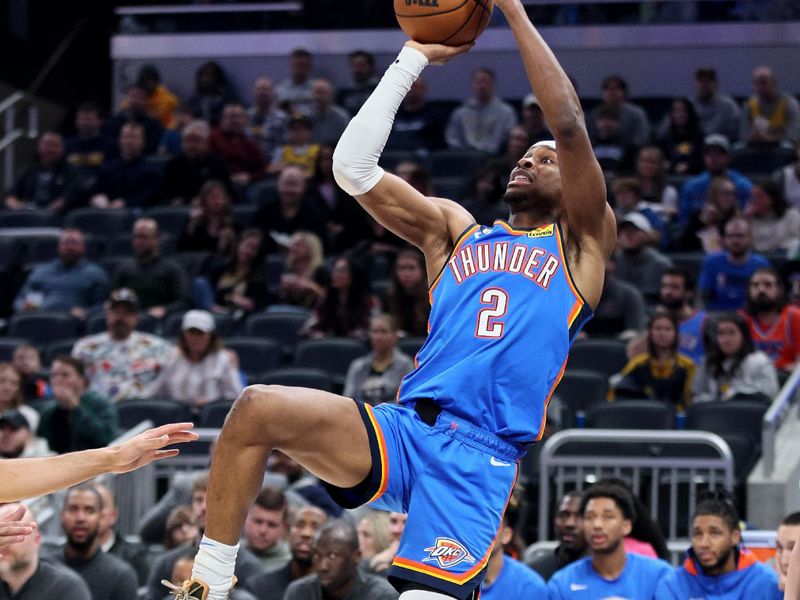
column 651, row 173
column 716, row 158
column 634, row 126
column 242, row 155
column 568, row 532
column 481, row 123
column 11, row 396
column 375, row 378
column 25, row 576
column 705, row 230
column 129, row 181
column 718, row 113
column 383, row 560
column 788, row 178
column 637, row 262
column 533, row 120
column 112, row 540
column 160, row 283
column 335, row 561
column 69, row 282
column 266, row 526
column 373, row 538
column 17, row 439
column 775, row 226
column 516, row 145
column 160, row 103
column 620, row 312
column 303, row 527
column 237, row 286
column 774, row 323
column 769, row 116
column 88, row 149
column 182, row 571
column 304, row 274
column 785, row 540
column 49, row 182
column 724, row 275
column 294, row 210
column 628, row 199
column 363, row 79
column 294, row 93
column 170, row 144
column 28, row 362
column 328, row 120
column 347, row 306
column 181, row 528
column 416, row 176
column 680, row 136
column 609, row 571
column 300, row 149
column 201, row 370
column 107, row 577
column 407, row 300
column 733, row 367
column 482, row 200
column 246, row 567
column 186, row 173
column 81, row 418
column 134, row 110
column 212, row 227
column 211, row 93
column 613, row 152
column 418, row 125
column 506, row 577
column 716, row 564
column 660, row 373
column 122, row 363
column 266, row 122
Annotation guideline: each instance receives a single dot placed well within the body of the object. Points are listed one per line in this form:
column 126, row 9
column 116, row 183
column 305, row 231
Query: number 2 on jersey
column 488, row 324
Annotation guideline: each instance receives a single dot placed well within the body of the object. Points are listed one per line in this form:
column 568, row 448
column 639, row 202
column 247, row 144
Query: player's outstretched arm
column 30, row 477
column 393, row 202
column 584, row 199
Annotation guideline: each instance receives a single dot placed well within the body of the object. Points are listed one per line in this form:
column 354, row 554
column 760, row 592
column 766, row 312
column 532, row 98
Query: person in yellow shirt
column 160, row 101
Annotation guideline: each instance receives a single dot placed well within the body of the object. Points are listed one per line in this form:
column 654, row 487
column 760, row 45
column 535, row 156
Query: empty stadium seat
column 10, row 250
column 452, row 188
column 580, row 390
column 262, row 191
column 330, row 354
column 605, row 356
column 273, row 269
column 298, row 377
column 102, row 222
column 158, row 410
column 111, row 263
column 391, row 158
column 170, row 219
column 57, row 349
column 214, row 413
column 761, row 161
column 7, row 347
column 255, row 355
column 192, row 263
column 28, row 218
column 454, row 163
column 244, row 213
column 281, row 327
column 689, row 261
column 631, row 414
column 41, row 328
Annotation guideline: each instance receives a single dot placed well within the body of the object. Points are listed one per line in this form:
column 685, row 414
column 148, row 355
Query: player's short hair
column 617, row 493
column 791, row 519
column 718, row 503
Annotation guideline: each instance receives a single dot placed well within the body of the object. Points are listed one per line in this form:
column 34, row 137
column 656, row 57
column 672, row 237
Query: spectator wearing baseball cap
column 201, row 370
column 638, row 263
column 717, row 112
column 533, row 120
column 717, row 160
column 122, row 363
column 17, row 436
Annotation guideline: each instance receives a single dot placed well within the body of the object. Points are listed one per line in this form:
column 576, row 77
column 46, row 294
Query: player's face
column 80, row 518
column 729, row 338
column 713, row 543
column 334, row 562
column 604, row 525
column 569, row 524
column 784, row 544
column 302, row 531
column 535, row 183
column 673, row 292
column 263, row 528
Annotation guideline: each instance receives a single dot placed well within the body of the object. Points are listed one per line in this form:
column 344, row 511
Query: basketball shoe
column 192, row 590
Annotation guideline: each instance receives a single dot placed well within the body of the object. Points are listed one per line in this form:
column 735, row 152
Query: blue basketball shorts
column 454, row 482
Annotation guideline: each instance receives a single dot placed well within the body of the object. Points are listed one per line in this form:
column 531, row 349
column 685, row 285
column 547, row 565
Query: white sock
column 423, row 595
column 213, row 565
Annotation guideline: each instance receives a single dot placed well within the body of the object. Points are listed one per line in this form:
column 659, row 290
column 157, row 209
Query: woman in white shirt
column 201, row 370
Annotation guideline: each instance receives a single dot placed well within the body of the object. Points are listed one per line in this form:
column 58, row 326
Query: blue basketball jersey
column 504, row 312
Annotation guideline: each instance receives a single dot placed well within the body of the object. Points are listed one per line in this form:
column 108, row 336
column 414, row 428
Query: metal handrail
column 204, row 9
column 12, row 133
column 773, row 418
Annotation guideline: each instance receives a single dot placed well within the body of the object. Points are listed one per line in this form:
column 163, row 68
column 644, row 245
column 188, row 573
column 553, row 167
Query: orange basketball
column 450, row 22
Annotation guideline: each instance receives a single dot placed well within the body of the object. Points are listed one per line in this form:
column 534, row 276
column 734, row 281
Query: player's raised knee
column 255, row 399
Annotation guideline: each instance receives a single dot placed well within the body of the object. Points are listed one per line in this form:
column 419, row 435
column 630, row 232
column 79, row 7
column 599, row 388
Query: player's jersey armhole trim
column 567, row 270
column 459, row 240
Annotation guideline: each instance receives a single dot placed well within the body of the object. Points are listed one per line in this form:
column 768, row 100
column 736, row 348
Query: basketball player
column 30, row 477
column 507, row 300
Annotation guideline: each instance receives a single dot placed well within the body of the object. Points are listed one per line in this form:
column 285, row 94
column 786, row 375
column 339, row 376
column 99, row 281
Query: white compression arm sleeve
column 355, row 160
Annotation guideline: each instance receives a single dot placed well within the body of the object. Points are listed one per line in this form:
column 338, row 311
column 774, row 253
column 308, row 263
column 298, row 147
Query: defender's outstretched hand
column 148, row 446
column 438, row 54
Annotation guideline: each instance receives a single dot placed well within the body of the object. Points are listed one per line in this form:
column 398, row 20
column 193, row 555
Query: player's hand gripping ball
column 448, row 22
